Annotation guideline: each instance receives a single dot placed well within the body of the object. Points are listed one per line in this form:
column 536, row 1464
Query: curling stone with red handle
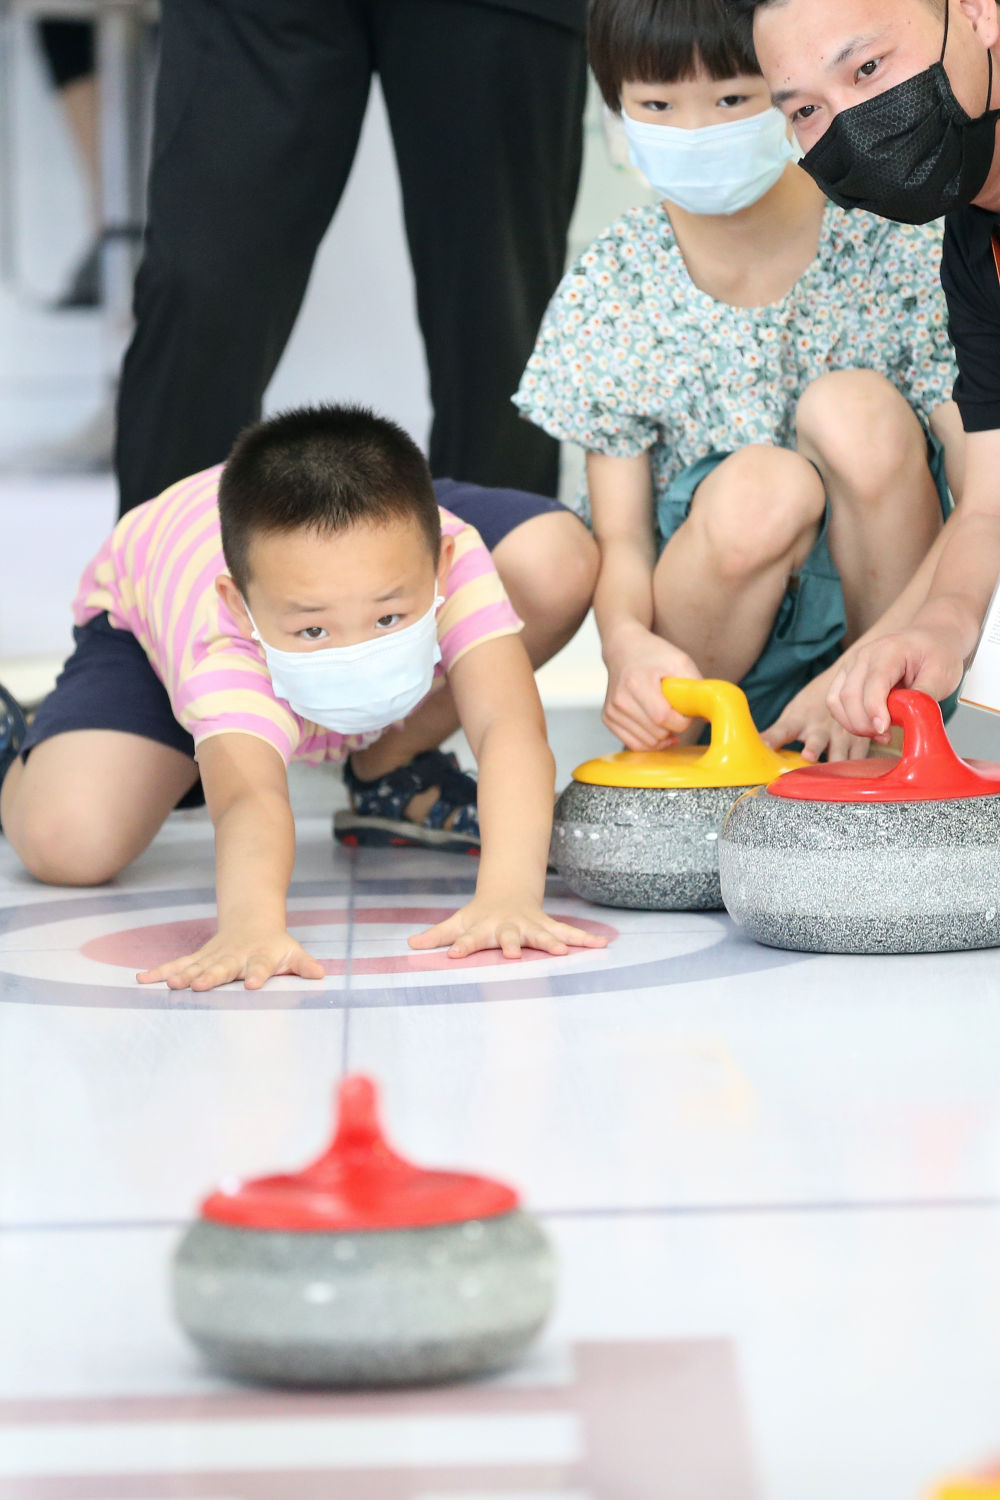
column 362, row 1270
column 871, row 856
column 639, row 829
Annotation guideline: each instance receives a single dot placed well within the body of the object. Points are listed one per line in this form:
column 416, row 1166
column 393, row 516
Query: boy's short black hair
column 663, row 41
column 325, row 469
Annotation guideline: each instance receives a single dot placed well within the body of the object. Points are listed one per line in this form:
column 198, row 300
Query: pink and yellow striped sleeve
column 476, row 606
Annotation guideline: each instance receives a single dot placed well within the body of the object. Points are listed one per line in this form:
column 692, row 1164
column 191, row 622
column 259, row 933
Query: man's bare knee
column 761, row 506
column 860, row 431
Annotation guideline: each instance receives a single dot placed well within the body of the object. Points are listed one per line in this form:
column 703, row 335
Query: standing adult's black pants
column 258, row 112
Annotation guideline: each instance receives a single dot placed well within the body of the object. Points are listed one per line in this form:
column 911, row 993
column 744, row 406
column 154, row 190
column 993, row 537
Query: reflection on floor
column 773, row 1183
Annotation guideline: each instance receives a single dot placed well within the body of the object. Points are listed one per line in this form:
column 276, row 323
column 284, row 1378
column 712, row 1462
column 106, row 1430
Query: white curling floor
column 773, row 1183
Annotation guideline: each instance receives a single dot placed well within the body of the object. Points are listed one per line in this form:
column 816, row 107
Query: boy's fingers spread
column 509, row 939
column 464, row 946
column 438, row 936
column 546, row 942
column 210, row 979
column 259, row 969
column 576, row 937
column 209, row 975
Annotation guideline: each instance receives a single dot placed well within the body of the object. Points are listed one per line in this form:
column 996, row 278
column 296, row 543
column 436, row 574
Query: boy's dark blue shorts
column 109, row 683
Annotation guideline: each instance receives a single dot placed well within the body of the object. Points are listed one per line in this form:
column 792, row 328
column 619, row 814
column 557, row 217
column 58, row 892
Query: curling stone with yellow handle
column 972, row 1487
column 639, row 829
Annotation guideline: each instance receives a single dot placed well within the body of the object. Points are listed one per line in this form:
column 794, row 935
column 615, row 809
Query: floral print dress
column 632, row 356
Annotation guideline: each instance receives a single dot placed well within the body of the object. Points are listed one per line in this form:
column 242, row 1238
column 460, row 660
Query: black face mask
column 910, row 154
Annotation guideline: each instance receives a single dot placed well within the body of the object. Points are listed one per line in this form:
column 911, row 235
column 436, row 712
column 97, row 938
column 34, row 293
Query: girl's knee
column 857, row 425
column 760, row 506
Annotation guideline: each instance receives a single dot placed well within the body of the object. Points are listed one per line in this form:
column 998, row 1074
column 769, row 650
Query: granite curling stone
column 640, row 829
column 362, row 1270
column 871, row 856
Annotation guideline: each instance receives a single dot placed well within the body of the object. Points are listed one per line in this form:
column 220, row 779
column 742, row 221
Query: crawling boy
column 292, row 607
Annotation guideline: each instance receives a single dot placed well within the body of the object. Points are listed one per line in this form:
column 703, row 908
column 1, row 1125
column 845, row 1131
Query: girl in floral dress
column 762, row 385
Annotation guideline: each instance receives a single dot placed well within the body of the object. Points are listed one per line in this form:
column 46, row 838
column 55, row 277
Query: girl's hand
column 253, row 958
column 635, row 708
column 507, row 924
column 808, row 718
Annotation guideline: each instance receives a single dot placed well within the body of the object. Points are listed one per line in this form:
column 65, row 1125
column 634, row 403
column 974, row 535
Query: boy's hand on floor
column 509, row 925
column 930, row 660
column 807, row 719
column 229, row 956
column 635, row 708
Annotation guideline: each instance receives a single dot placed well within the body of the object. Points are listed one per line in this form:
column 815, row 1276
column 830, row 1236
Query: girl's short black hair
column 323, row 469
column 662, row 41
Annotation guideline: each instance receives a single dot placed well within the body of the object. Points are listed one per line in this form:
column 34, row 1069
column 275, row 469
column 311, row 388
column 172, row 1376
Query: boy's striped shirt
column 155, row 577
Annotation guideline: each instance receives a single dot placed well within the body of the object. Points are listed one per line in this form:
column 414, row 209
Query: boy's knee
column 552, row 569
column 761, row 506
column 857, row 427
column 574, row 567
column 61, row 845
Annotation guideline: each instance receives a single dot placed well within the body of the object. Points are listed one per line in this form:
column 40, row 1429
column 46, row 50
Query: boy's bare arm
column 246, row 788
column 637, row 659
column 500, row 711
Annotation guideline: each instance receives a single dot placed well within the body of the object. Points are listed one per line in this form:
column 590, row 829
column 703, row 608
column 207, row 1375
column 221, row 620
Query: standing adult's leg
column 486, row 109
column 258, row 111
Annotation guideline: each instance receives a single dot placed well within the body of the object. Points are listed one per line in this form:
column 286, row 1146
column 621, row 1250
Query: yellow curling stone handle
column 736, row 756
column 968, row 1489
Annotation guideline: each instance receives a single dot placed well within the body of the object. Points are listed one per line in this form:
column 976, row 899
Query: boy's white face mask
column 362, row 688
column 718, row 169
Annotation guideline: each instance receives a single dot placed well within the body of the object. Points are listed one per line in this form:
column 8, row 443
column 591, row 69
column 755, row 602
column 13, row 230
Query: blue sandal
column 12, row 730
column 377, row 815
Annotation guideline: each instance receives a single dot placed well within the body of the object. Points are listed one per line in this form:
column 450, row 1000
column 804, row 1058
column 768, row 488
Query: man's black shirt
column 972, row 285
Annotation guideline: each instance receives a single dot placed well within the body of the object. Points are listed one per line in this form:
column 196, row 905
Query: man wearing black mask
column 895, row 104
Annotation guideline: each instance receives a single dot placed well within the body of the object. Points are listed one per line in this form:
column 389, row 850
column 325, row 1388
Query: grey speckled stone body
column 639, row 847
column 371, row 1308
column 890, row 877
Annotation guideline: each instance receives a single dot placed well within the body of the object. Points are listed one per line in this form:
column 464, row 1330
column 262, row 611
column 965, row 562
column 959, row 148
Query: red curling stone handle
column 928, row 770
column 928, row 760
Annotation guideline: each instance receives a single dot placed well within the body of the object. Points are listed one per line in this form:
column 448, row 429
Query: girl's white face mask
column 718, row 169
column 358, row 689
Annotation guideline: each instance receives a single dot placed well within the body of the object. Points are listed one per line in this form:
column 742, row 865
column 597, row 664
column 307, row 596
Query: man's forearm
column 966, row 575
